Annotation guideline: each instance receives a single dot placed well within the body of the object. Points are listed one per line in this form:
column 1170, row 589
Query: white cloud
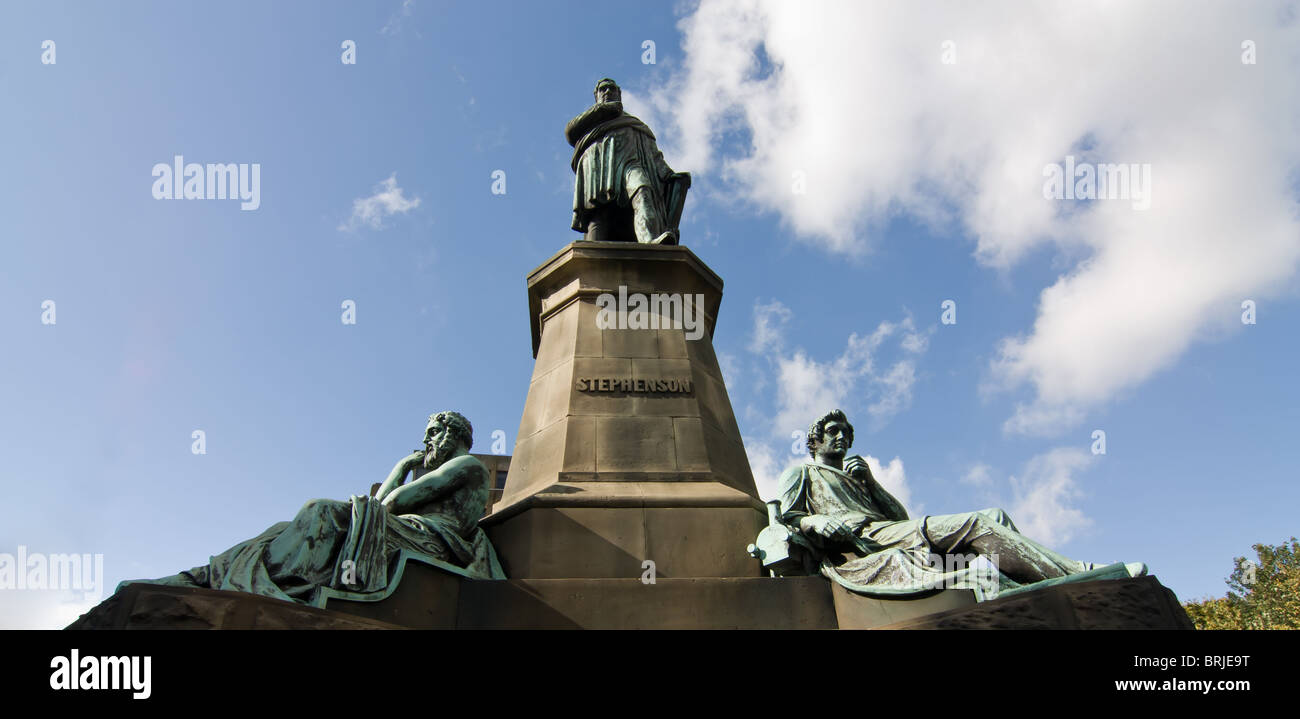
column 730, row 368
column 856, row 97
column 768, row 463
column 915, row 342
column 895, row 390
column 808, row 388
column 769, row 326
column 1043, row 493
column 388, row 200
column 893, row 478
column 979, row 475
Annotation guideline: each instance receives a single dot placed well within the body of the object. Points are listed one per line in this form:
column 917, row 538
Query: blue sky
column 176, row 316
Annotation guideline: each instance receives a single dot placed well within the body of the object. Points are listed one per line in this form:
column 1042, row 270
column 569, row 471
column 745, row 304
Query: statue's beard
column 437, row 454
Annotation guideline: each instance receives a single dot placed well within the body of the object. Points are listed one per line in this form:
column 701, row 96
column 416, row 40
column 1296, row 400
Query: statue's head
column 444, row 435
column 830, row 436
column 607, row 91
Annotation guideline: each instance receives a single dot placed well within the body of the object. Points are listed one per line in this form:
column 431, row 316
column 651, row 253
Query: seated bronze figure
column 352, row 545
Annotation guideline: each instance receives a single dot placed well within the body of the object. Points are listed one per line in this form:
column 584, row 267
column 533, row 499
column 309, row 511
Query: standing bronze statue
column 623, row 189
column 351, row 546
column 860, row 536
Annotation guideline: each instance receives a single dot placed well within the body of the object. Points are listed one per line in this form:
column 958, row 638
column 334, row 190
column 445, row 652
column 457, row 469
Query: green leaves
column 1262, row 593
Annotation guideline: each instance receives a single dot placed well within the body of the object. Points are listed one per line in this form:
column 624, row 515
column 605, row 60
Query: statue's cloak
column 611, row 162
column 891, row 554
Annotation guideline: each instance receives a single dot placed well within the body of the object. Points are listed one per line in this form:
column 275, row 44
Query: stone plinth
column 153, row 606
column 628, row 448
column 1135, row 603
column 430, row 597
column 855, row 611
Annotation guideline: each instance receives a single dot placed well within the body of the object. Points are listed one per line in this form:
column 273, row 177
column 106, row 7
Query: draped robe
column 890, row 554
column 352, row 545
column 614, row 156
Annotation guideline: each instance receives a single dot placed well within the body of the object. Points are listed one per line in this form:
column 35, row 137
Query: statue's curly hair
column 817, row 430
column 458, row 424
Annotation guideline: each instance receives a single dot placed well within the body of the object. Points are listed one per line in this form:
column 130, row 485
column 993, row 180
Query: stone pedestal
column 1135, row 603
column 430, row 597
column 628, row 449
column 153, row 606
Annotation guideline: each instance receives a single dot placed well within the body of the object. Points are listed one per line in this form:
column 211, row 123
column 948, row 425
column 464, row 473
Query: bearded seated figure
column 351, row 546
column 834, row 513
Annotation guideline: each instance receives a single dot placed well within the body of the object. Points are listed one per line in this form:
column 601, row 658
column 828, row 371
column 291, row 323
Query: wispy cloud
column 388, row 200
column 767, row 463
column 769, row 326
column 893, row 478
column 807, row 387
column 979, row 475
column 1043, row 493
column 394, row 24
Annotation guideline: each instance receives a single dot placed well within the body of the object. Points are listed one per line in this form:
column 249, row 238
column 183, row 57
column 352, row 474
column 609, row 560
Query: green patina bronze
column 352, row 546
column 623, row 189
column 835, row 518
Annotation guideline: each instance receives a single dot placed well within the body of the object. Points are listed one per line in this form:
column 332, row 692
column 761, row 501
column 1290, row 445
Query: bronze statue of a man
column 350, row 546
column 865, row 540
column 623, row 189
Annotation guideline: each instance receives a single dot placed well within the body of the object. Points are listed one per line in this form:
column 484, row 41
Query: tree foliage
column 1262, row 593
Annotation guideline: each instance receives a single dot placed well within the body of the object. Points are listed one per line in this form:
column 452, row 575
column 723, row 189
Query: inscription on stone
column 633, row 384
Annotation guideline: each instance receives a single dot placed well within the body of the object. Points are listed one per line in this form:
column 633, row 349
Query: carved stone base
column 698, row 531
column 1137, row 603
column 430, row 598
column 854, row 611
column 153, row 606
